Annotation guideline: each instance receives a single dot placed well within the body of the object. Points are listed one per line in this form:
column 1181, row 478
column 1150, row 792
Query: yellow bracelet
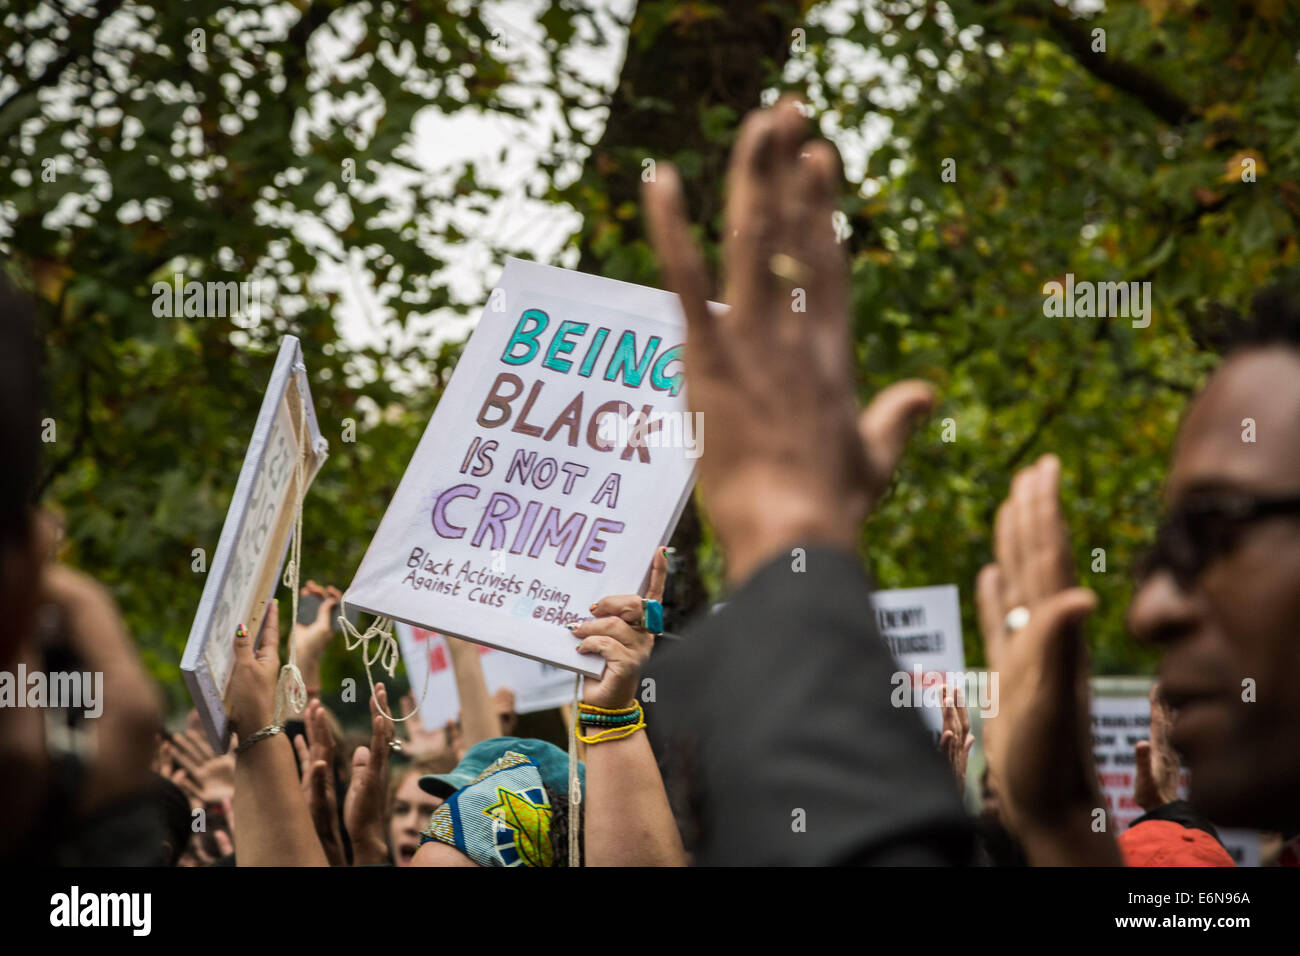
column 613, row 733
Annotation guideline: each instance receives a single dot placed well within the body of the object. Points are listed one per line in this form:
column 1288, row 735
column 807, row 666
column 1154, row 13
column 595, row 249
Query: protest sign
column 255, row 537
column 1118, row 723
column 922, row 627
column 536, row 686
column 560, row 456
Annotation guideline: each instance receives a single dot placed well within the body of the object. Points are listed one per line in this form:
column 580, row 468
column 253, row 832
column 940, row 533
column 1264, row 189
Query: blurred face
column 412, row 808
column 1229, row 626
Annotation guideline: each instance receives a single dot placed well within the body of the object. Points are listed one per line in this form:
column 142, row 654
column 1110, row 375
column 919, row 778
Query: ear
column 20, row 577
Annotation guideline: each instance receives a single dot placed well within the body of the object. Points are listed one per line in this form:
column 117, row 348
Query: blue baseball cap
column 552, row 763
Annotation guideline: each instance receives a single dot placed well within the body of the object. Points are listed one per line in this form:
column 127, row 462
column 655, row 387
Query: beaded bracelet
column 612, row 724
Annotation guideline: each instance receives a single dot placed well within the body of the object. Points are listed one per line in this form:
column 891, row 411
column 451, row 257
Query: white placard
column 254, row 538
column 536, row 686
column 922, row 628
column 531, row 494
column 1118, row 723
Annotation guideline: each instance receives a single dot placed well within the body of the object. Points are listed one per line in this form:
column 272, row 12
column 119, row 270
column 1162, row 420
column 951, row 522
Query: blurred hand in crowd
column 208, row 778
column 776, row 387
column 316, row 748
column 956, row 740
column 615, row 633
column 1155, row 760
column 312, row 639
column 1039, row 745
column 422, row 744
column 504, row 701
column 365, row 808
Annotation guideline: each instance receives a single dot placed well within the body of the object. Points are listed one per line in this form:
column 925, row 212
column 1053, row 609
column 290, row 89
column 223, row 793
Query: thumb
column 1143, row 781
column 1065, row 610
column 888, row 422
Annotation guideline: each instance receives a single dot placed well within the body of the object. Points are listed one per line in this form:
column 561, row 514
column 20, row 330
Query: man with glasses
column 1221, row 593
column 1220, row 596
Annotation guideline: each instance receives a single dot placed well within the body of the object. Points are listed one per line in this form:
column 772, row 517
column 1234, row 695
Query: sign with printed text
column 255, row 536
column 536, row 686
column 560, row 455
column 1118, row 724
column 922, row 627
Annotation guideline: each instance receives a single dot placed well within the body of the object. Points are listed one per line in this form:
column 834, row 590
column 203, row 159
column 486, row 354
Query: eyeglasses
column 1198, row 533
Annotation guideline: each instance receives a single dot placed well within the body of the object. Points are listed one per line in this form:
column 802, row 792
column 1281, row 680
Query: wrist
column 780, row 520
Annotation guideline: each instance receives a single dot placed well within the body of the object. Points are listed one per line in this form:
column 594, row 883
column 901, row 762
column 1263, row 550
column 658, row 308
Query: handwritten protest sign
column 922, row 627
column 536, row 686
column 1118, row 723
column 259, row 522
column 560, row 455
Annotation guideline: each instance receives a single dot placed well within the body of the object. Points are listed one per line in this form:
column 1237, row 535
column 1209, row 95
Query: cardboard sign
column 537, row 686
column 1118, row 723
column 560, row 456
column 922, row 627
column 255, row 537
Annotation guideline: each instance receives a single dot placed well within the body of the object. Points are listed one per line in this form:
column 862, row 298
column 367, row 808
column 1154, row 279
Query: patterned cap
column 502, row 817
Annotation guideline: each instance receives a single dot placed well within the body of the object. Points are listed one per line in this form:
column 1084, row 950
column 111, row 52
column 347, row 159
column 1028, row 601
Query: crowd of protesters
column 751, row 734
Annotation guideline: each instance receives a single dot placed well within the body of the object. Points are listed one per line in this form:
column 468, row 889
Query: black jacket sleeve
column 773, row 725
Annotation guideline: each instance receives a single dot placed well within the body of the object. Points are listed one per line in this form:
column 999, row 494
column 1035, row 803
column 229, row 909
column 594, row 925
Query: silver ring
column 1017, row 619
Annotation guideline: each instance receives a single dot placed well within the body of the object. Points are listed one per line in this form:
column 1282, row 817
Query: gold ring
column 789, row 268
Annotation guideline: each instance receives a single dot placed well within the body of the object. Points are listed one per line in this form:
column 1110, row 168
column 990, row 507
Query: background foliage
column 226, row 164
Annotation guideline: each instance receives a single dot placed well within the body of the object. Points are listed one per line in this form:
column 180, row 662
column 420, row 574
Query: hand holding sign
column 624, row 645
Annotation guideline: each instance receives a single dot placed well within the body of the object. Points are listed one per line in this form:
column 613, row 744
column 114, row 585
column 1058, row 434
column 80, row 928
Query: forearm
column 478, row 718
column 626, row 817
column 274, row 824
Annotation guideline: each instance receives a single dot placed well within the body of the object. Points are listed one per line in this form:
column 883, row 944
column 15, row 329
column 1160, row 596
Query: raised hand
column 312, row 639
column 209, row 777
column 1156, row 761
column 365, row 808
column 616, row 634
column 956, row 741
column 316, row 750
column 774, row 377
column 1039, row 745
column 422, row 743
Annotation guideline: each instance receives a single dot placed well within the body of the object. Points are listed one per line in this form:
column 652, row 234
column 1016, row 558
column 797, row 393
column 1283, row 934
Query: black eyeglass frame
column 1199, row 532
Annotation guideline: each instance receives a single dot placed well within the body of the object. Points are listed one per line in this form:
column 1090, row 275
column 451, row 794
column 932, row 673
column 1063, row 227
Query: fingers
column 268, row 648
column 243, row 645
column 988, row 603
column 303, row 750
column 1004, row 547
column 224, row 844
column 607, row 647
column 617, row 629
column 360, row 762
column 1056, row 622
column 751, row 215
column 888, row 422
column 658, row 575
column 625, row 606
column 680, row 261
column 1051, row 555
